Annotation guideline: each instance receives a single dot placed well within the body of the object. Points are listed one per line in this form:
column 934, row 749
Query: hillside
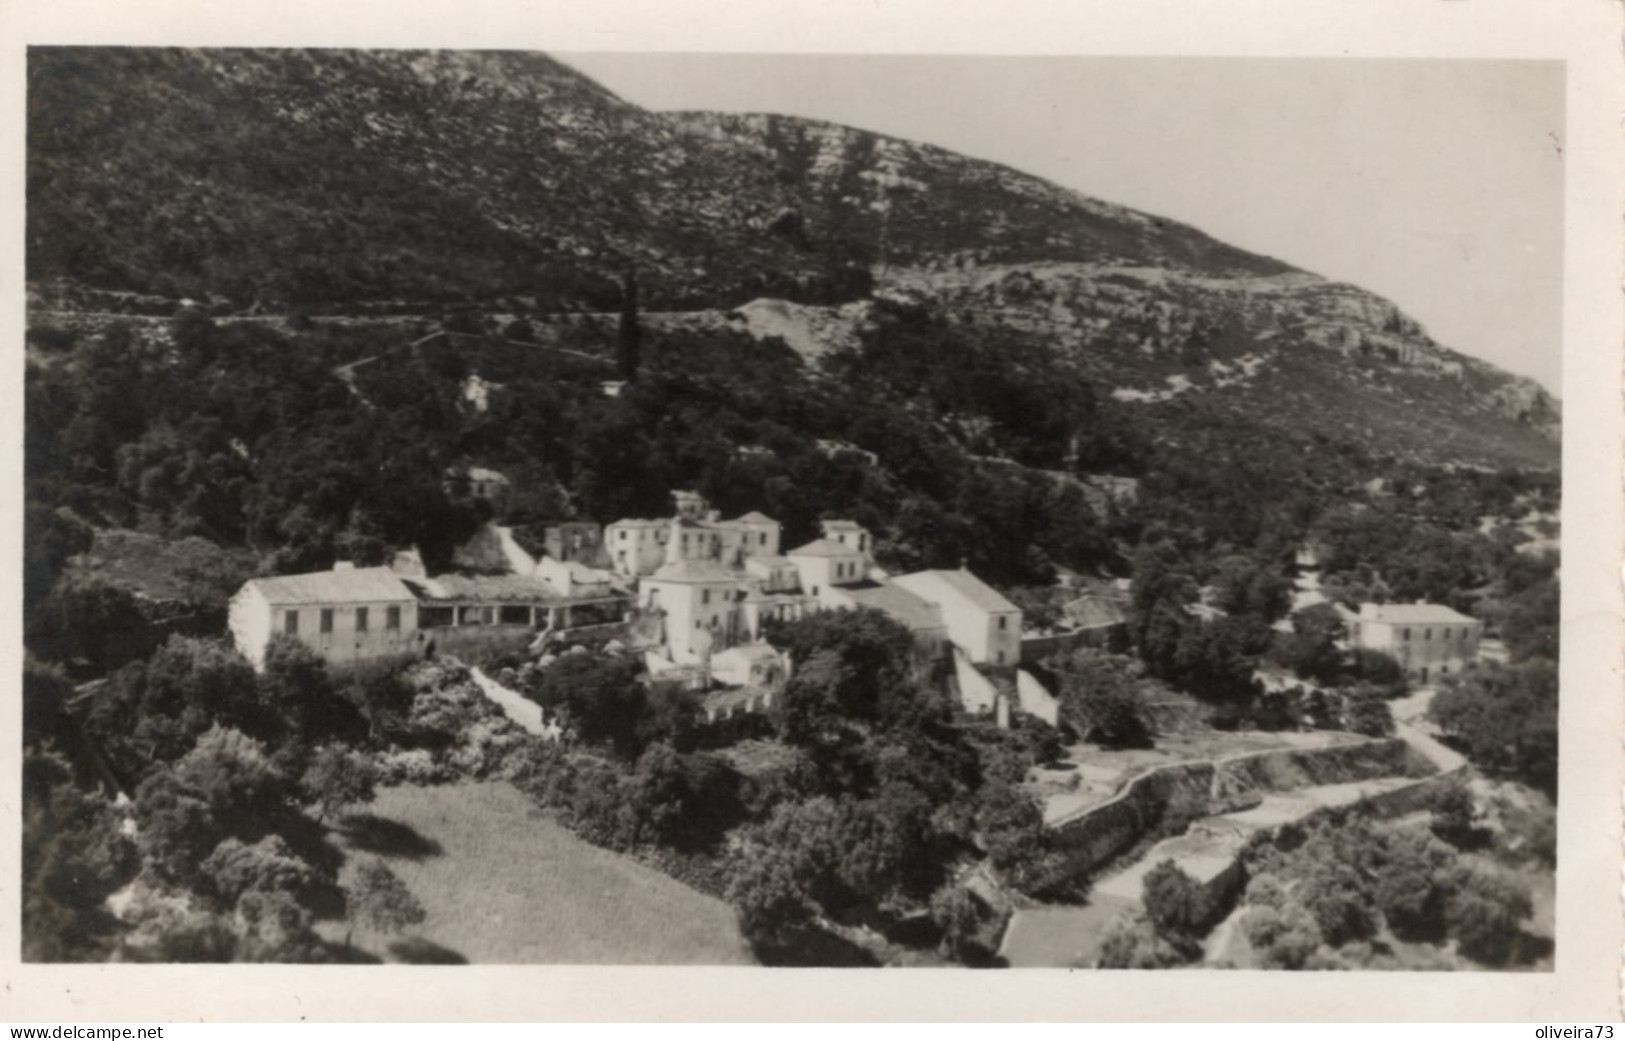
column 325, row 177
column 379, row 182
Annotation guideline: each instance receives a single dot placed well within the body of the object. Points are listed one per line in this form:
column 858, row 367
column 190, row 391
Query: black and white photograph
column 527, row 507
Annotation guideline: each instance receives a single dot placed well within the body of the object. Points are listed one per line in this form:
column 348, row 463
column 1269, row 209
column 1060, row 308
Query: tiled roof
column 748, row 652
column 1419, row 614
column 358, row 585
column 823, row 548
column 694, row 571
column 899, row 603
column 488, row 588
column 1094, row 612
column 965, row 585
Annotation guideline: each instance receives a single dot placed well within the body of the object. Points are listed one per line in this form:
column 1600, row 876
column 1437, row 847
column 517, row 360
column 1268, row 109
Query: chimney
column 343, row 565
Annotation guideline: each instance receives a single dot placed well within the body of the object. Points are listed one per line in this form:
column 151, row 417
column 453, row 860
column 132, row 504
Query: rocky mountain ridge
column 376, row 183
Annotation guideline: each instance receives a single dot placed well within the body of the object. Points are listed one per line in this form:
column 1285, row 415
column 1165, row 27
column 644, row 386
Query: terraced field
column 504, row 884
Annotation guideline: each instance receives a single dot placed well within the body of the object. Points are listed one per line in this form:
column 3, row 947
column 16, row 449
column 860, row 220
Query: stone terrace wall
column 1160, row 801
column 1287, row 769
column 1164, row 800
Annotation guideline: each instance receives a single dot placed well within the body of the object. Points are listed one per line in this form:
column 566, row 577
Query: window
column 1004, row 621
column 761, row 540
column 327, row 619
column 705, row 596
column 814, row 590
column 863, row 542
column 361, row 619
column 392, row 618
column 999, row 656
column 436, row 617
column 290, row 623
column 623, row 535
column 1427, row 634
column 841, row 538
column 1405, row 634
column 1445, row 635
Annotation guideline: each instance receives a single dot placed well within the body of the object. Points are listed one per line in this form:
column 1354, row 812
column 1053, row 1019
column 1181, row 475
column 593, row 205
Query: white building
column 825, row 564
column 980, row 622
column 1428, row 640
column 347, row 615
column 699, row 599
column 638, row 547
column 850, row 534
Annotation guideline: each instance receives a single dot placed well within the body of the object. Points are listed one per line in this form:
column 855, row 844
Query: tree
column 1174, row 902
column 1505, row 718
column 1381, row 670
column 1485, row 912
column 1009, row 825
column 46, row 691
column 90, row 619
column 629, row 337
column 600, row 696
column 1100, row 698
column 1134, row 943
column 1413, row 882
column 236, row 868
column 338, row 777
column 1340, row 901
column 189, row 685
column 380, row 901
column 866, row 674
column 225, row 785
column 1366, row 711
column 958, row 913
column 783, row 870
column 1281, row 938
column 1453, row 814
column 1244, row 587
column 297, row 688
column 74, row 856
column 233, row 775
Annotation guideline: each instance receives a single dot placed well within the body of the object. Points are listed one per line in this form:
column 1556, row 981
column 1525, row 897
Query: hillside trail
column 1061, row 937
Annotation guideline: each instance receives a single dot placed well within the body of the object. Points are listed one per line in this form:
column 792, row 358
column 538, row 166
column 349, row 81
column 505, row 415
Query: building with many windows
column 348, row 615
column 1428, row 640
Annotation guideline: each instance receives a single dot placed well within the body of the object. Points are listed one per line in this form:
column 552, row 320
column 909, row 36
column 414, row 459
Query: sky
column 1437, row 184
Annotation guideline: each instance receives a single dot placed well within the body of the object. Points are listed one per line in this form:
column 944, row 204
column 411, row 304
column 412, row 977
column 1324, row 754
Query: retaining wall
column 479, row 644
column 1164, row 800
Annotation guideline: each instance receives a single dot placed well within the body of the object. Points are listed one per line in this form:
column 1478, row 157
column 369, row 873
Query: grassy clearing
column 504, row 884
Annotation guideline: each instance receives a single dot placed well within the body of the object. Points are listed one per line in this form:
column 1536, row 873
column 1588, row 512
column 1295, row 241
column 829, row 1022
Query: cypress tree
column 628, row 346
